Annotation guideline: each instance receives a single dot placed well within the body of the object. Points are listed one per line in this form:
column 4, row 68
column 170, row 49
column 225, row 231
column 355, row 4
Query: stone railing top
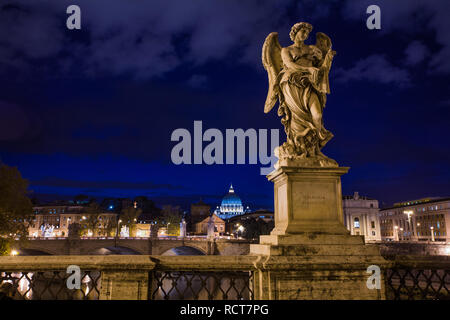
column 200, row 263
column 127, row 262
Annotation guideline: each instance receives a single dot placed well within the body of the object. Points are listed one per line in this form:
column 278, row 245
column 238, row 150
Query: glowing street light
column 14, row 253
column 432, row 233
column 396, row 233
column 409, row 213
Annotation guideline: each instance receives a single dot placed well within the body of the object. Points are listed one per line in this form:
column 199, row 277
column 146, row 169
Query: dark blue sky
column 91, row 111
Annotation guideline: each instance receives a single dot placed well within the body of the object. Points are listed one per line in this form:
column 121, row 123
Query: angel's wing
column 323, row 42
column 271, row 59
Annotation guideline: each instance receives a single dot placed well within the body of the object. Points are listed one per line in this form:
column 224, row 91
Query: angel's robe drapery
column 297, row 88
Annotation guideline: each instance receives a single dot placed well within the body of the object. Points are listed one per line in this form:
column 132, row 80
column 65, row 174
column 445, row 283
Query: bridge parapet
column 205, row 277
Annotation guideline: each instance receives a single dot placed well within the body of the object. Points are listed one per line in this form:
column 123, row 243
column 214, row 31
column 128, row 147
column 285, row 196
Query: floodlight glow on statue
column 298, row 79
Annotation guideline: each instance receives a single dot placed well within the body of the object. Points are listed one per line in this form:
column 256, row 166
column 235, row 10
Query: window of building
column 373, row 233
column 356, row 222
column 372, row 224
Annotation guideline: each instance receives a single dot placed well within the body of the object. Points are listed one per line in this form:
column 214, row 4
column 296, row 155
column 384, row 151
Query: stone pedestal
column 308, row 200
column 310, row 254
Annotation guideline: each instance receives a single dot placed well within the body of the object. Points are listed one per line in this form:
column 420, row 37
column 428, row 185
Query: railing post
column 115, row 286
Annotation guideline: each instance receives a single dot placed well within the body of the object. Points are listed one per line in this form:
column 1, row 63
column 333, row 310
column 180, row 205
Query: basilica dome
column 231, row 205
column 231, row 198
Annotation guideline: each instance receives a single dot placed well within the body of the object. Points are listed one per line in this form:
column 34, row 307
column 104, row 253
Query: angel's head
column 300, row 31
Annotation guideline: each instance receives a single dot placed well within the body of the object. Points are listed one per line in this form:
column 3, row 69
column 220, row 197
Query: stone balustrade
column 218, row 277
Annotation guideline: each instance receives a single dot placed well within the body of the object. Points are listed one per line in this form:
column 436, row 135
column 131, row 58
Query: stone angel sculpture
column 298, row 79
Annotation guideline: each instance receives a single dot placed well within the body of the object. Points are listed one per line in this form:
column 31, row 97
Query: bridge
column 137, row 246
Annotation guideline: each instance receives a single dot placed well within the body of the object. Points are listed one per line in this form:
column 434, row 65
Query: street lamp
column 396, row 233
column 432, row 233
column 409, row 213
column 117, row 231
column 14, row 253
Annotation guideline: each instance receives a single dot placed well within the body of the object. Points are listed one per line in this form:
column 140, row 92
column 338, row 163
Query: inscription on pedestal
column 314, row 201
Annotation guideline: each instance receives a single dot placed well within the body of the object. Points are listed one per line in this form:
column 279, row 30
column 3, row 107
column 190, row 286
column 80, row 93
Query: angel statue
column 298, row 79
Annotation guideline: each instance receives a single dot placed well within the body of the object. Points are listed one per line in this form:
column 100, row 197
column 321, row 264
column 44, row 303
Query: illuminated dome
column 231, row 199
column 231, row 205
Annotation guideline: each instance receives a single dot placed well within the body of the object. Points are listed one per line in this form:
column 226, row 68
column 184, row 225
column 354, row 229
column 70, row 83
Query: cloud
column 139, row 38
column 375, row 68
column 415, row 53
column 197, row 81
column 411, row 18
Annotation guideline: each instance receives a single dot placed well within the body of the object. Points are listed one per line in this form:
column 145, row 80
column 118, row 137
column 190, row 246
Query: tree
column 15, row 207
column 109, row 229
column 253, row 228
column 170, row 218
column 81, row 198
column 92, row 221
column 129, row 218
column 148, row 206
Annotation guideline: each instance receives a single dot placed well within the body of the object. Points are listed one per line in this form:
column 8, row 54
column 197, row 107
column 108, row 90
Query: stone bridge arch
column 183, row 251
column 121, row 250
column 37, row 249
column 162, row 246
column 93, row 247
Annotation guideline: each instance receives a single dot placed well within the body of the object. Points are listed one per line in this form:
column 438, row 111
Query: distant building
column 143, row 230
column 54, row 220
column 426, row 219
column 231, row 206
column 361, row 217
column 201, row 228
column 200, row 209
column 199, row 212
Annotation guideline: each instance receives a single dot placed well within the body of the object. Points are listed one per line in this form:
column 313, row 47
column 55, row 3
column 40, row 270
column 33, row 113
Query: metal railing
column 415, row 279
column 189, row 285
column 48, row 285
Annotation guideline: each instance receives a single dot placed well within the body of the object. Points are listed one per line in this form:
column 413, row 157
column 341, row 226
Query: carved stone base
column 316, row 267
column 310, row 254
column 308, row 199
column 297, row 278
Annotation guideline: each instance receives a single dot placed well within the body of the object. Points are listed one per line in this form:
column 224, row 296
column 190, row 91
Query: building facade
column 361, row 217
column 425, row 219
column 201, row 228
column 231, row 206
column 54, row 221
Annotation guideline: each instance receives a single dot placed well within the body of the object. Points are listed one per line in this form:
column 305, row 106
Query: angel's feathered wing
column 323, row 42
column 271, row 59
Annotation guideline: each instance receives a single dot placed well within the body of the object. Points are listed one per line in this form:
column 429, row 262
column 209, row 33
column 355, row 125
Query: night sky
column 92, row 111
